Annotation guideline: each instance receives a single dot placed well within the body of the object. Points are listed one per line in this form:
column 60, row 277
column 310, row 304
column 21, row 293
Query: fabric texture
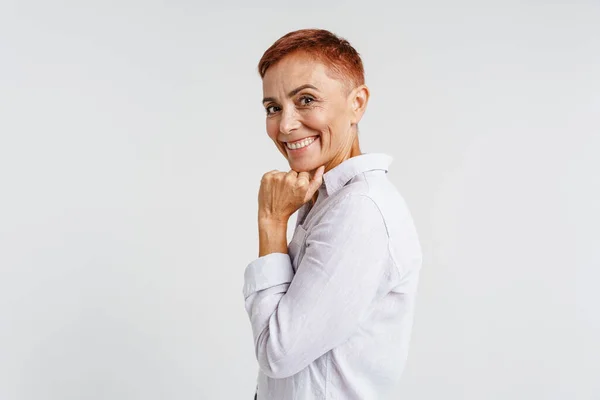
column 332, row 318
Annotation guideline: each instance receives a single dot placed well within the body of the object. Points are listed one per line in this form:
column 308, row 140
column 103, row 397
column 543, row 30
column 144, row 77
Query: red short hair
column 335, row 52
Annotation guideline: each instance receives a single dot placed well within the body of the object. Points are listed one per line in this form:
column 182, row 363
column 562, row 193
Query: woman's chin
column 302, row 167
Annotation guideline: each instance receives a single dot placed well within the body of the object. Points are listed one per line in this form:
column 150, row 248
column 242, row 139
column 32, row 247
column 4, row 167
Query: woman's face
column 303, row 102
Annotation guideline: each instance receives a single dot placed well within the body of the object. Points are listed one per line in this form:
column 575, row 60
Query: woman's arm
column 297, row 318
column 272, row 237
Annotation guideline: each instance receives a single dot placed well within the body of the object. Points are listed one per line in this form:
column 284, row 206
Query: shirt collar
column 337, row 177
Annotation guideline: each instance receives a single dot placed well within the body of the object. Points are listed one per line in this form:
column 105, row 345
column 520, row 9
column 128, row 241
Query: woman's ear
column 359, row 97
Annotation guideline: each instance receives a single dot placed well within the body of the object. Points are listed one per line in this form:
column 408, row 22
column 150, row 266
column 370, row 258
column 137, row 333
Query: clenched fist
column 282, row 193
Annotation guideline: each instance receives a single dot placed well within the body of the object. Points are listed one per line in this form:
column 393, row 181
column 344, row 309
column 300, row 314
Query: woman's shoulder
column 382, row 195
column 375, row 186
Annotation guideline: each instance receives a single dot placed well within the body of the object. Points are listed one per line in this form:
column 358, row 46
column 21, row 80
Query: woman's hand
column 282, row 193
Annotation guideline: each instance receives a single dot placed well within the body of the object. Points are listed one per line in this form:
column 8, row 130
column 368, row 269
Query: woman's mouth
column 301, row 145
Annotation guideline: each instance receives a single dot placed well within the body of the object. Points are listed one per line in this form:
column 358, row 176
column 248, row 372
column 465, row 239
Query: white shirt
column 332, row 319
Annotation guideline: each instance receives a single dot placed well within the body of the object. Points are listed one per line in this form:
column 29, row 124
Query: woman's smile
column 301, row 147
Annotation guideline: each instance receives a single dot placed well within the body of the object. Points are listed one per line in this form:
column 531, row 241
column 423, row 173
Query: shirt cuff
column 267, row 271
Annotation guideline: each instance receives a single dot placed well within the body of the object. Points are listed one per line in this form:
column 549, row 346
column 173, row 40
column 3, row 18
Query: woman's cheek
column 272, row 128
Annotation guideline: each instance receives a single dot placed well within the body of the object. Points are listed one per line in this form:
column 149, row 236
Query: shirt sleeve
column 297, row 318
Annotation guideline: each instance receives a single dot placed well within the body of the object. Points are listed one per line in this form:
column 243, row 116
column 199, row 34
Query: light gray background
column 132, row 143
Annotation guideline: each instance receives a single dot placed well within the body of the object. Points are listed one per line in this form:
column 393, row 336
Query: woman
column 331, row 312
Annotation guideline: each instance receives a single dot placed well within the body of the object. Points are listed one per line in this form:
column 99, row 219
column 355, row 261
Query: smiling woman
column 331, row 312
column 305, row 97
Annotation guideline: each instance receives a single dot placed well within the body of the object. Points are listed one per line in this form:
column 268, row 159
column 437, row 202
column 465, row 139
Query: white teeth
column 299, row 145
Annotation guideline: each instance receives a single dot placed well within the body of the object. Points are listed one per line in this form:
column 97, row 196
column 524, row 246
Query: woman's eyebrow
column 293, row 92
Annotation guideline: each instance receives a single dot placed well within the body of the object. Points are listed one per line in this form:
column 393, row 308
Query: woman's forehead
column 289, row 70
column 289, row 74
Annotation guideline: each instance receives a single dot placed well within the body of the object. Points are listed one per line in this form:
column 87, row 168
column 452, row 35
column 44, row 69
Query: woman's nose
column 289, row 121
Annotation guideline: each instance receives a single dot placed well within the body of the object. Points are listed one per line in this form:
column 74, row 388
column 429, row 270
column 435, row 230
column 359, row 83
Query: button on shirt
column 332, row 318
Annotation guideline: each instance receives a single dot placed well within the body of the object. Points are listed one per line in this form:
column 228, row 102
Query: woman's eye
column 270, row 109
column 306, row 98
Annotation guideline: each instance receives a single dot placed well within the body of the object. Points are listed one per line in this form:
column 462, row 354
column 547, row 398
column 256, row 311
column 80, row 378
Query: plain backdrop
column 132, row 143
